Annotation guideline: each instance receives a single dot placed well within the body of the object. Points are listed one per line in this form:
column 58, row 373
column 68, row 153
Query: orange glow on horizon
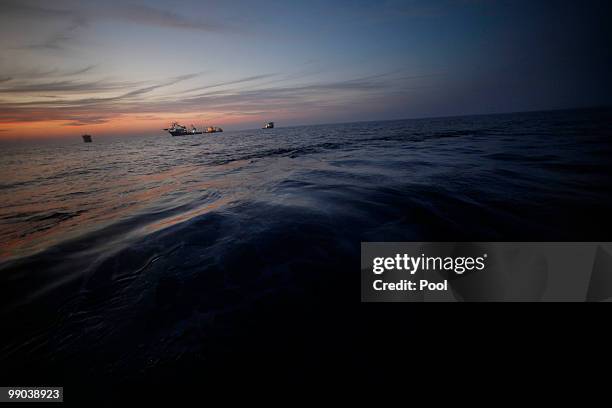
column 122, row 124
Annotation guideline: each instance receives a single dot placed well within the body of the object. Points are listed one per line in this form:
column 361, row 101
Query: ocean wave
column 148, row 254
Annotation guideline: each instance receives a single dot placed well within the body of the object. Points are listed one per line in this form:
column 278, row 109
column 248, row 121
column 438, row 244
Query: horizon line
column 589, row 107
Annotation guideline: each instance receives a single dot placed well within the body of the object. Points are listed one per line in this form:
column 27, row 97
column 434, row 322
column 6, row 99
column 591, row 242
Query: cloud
column 79, row 71
column 234, row 82
column 78, row 86
column 148, row 89
column 146, row 15
column 66, row 86
column 47, row 74
column 368, row 83
column 33, row 10
column 81, row 15
column 239, row 102
column 84, row 121
column 77, row 15
column 83, row 110
column 55, row 42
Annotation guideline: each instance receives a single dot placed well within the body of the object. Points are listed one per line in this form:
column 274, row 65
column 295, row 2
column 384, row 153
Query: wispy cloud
column 76, row 15
column 83, row 110
column 55, row 42
column 151, row 88
column 234, row 82
column 296, row 98
column 74, row 85
column 82, row 14
column 146, row 15
column 67, row 86
column 46, row 74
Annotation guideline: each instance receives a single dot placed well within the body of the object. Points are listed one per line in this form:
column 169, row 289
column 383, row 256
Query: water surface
column 141, row 256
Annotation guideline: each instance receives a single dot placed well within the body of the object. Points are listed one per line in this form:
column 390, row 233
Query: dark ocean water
column 155, row 258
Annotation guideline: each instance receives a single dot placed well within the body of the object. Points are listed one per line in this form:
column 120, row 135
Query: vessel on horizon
column 268, row 125
column 179, row 130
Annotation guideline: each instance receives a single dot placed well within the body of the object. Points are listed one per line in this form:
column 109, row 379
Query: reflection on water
column 157, row 253
column 56, row 192
column 78, row 190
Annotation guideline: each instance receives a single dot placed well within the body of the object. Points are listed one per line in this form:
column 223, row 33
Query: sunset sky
column 115, row 67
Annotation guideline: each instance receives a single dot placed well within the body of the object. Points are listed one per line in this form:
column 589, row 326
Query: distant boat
column 213, row 129
column 269, row 125
column 180, row 130
column 87, row 138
